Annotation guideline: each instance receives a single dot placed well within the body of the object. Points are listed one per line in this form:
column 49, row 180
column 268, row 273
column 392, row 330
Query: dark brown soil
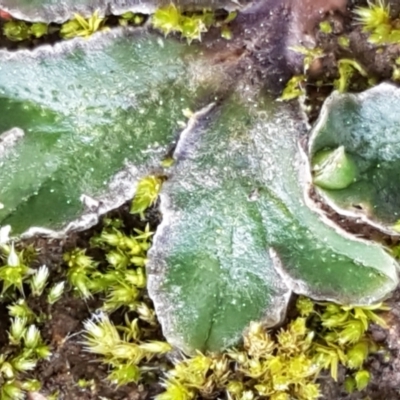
column 70, row 363
column 384, row 366
column 61, row 327
column 62, row 323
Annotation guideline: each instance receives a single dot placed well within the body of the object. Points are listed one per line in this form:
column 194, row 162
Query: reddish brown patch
column 308, row 13
column 5, row 15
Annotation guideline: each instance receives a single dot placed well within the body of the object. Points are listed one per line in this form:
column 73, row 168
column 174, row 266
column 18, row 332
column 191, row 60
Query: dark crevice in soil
column 53, row 37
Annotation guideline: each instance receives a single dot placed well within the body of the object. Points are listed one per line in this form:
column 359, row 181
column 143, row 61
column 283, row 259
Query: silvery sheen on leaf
column 366, row 126
column 238, row 235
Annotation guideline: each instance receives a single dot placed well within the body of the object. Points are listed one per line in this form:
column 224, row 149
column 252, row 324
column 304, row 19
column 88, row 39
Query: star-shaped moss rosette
column 61, row 10
column 88, row 118
column 237, row 235
column 355, row 152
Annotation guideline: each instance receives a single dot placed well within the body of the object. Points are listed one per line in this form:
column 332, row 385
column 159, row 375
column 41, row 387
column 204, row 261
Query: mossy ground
column 72, row 373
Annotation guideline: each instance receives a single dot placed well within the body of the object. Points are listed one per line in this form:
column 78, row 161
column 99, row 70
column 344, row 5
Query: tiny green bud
column 249, row 395
column 175, row 390
column 305, row 306
column 349, row 384
column 149, row 187
column 167, row 19
column 22, row 310
column 331, row 337
column 235, row 387
column 362, row 379
column 13, row 276
column 124, row 374
column 239, row 356
column 168, row 162
column 334, row 320
column 357, row 354
column 325, row 27
column 113, row 239
column 136, row 277
column 332, row 309
column 22, row 364
column 334, row 169
column 55, row 292
column 132, row 331
column 101, row 335
column 221, row 367
column 32, row 337
column 17, row 330
column 294, row 88
column 16, row 30
column 84, row 383
column 310, row 391
column 128, row 351
column 70, row 29
column 11, row 390
column 7, row 370
column 226, row 33
column 146, row 313
column 298, row 327
column 39, row 280
column 13, row 259
column 139, row 261
column 231, row 16
column 31, row 385
column 144, row 235
column 117, row 259
column 39, row 29
column 156, row 347
column 352, row 332
column 280, row 382
column 138, row 19
column 344, row 41
column 78, row 259
column 132, row 245
column 128, row 15
column 80, row 282
column 263, row 389
column 43, row 351
column 121, row 295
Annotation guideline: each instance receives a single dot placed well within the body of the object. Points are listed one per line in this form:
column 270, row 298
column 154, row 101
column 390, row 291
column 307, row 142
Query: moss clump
column 285, row 364
column 25, row 347
column 294, row 88
column 272, row 365
column 191, row 26
column 347, row 68
column 124, row 347
column 122, row 278
column 83, row 27
column 276, row 365
column 146, row 194
column 375, row 19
